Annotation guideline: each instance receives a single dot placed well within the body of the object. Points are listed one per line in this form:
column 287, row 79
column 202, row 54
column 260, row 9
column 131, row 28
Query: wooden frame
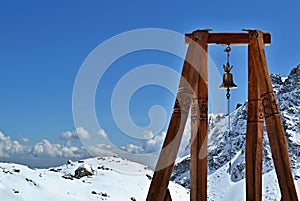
column 228, row 38
column 262, row 106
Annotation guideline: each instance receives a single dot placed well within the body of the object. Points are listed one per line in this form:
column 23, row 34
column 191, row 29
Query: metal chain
column 229, row 129
column 227, row 50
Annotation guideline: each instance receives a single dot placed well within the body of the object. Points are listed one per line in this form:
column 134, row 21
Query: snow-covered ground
column 113, row 179
column 116, row 179
column 222, row 188
column 223, row 147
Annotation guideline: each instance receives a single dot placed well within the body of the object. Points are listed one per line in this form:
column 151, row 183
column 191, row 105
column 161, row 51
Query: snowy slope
column 221, row 184
column 113, row 179
column 222, row 188
column 116, row 179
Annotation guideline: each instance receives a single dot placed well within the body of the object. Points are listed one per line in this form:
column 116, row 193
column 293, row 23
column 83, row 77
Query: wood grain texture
column 168, row 196
column 254, row 135
column 229, row 38
column 273, row 120
column 199, row 128
column 166, row 160
column 262, row 106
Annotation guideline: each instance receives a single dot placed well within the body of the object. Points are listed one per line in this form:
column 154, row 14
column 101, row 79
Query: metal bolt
column 255, row 35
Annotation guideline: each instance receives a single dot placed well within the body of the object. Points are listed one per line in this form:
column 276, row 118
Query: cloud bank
column 70, row 148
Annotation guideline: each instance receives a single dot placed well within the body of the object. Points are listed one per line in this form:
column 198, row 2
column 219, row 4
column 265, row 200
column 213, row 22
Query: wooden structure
column 262, row 106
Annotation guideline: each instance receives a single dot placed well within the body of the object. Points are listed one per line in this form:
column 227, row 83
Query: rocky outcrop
column 224, row 146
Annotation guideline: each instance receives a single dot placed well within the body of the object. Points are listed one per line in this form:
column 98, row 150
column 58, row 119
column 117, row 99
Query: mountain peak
column 224, row 146
column 292, row 82
column 296, row 70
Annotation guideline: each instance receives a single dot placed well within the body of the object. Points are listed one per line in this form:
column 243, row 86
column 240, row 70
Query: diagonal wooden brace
column 262, row 105
column 166, row 160
column 273, row 120
column 168, row 196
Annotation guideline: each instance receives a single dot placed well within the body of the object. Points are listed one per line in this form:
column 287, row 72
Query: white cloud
column 9, row 147
column 102, row 133
column 78, row 133
column 100, row 150
column 44, row 148
column 133, row 149
column 82, row 133
column 72, row 152
column 154, row 143
column 25, row 140
column 68, row 135
column 47, row 149
column 148, row 134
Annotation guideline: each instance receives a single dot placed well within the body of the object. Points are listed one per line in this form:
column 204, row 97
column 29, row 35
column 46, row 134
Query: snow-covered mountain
column 222, row 184
column 116, row 179
column 105, row 178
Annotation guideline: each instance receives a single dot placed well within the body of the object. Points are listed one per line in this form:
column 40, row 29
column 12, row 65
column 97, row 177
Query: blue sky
column 43, row 45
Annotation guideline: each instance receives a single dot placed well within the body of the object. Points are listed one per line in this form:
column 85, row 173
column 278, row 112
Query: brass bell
column 228, row 78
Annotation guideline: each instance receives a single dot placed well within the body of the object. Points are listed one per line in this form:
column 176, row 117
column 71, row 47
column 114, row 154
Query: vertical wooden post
column 199, row 127
column 168, row 196
column 262, row 105
column 166, row 160
column 273, row 120
column 254, row 135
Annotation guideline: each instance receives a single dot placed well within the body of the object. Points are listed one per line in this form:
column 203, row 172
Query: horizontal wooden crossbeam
column 262, row 105
column 227, row 38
